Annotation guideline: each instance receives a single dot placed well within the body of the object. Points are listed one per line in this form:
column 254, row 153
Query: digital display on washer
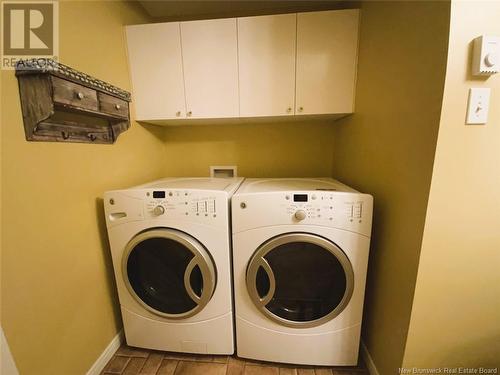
column 158, row 194
column 300, row 197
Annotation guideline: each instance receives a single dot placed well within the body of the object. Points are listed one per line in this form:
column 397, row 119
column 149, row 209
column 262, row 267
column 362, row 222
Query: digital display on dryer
column 158, row 194
column 300, row 197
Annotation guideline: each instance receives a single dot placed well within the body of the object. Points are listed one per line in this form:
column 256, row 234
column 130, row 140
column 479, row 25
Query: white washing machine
column 300, row 256
column 170, row 243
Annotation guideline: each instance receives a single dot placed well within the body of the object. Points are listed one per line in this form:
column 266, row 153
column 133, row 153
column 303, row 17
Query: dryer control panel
column 321, row 206
column 344, row 210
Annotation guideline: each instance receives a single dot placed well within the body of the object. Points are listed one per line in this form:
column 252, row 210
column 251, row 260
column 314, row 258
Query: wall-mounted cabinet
column 327, row 46
column 184, row 70
column 264, row 66
column 155, row 59
column 266, row 58
column 210, row 60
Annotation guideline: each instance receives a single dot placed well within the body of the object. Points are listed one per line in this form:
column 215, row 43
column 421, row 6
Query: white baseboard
column 370, row 365
column 7, row 364
column 106, row 355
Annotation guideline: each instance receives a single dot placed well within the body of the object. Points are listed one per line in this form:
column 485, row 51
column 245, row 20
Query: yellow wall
column 59, row 309
column 455, row 319
column 386, row 148
column 258, row 149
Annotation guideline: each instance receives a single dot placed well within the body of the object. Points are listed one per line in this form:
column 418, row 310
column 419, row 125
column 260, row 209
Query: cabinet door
column 154, row 53
column 210, row 60
column 327, row 44
column 266, row 57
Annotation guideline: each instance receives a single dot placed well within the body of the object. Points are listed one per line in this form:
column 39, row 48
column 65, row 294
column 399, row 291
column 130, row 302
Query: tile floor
column 133, row 361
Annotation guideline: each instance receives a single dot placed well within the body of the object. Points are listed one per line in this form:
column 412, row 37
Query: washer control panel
column 186, row 203
column 200, row 206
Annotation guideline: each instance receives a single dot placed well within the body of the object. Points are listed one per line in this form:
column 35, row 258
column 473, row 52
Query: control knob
column 490, row 59
column 159, row 210
column 300, row 215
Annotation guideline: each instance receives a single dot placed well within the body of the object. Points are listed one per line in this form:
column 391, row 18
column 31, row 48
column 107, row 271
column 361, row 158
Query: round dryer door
column 300, row 280
column 169, row 272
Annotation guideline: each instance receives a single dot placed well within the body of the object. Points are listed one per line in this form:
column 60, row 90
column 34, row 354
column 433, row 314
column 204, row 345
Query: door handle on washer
column 187, row 280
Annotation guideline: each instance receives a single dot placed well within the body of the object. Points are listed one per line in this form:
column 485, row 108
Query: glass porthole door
column 300, row 280
column 169, row 272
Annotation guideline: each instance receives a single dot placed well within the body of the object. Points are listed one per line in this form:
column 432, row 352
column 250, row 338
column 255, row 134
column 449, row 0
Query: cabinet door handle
column 178, row 113
column 289, row 109
column 118, row 106
column 80, row 95
column 189, row 113
column 301, row 109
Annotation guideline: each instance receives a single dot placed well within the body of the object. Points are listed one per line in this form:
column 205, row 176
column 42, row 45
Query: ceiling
column 166, row 10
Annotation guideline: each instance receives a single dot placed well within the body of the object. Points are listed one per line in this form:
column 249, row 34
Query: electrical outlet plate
column 479, row 103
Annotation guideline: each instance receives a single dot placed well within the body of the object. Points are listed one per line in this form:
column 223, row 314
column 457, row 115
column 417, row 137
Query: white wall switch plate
column 486, row 58
column 479, row 103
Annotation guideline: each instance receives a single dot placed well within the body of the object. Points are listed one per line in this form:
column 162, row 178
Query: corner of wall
column 386, row 148
column 456, row 305
column 7, row 364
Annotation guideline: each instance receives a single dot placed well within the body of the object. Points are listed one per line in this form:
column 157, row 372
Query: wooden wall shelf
column 60, row 104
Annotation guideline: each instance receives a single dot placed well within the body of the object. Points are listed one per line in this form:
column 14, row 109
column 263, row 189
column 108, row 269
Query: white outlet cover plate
column 479, row 104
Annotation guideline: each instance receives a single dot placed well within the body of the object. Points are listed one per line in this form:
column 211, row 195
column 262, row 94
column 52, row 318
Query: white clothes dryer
column 170, row 244
column 300, row 256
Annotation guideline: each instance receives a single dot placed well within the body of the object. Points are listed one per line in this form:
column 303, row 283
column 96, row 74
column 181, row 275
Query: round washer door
column 169, row 272
column 300, row 280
